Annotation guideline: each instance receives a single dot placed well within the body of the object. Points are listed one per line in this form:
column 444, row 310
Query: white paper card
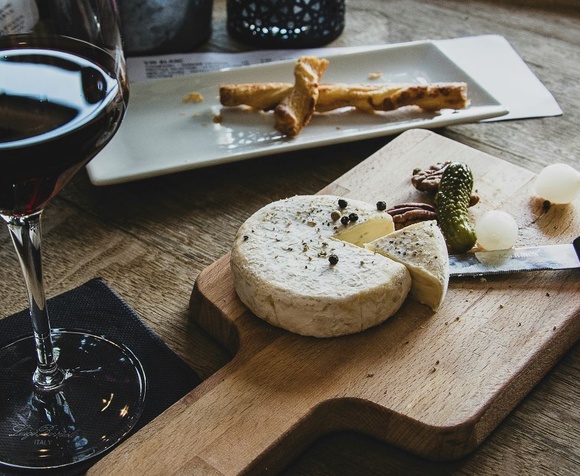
column 496, row 66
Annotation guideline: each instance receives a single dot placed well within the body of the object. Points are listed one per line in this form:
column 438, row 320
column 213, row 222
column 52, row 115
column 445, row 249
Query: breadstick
column 296, row 109
column 367, row 97
column 261, row 96
column 388, row 97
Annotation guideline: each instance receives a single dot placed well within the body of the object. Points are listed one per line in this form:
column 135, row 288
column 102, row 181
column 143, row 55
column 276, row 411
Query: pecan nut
column 406, row 214
column 428, row 180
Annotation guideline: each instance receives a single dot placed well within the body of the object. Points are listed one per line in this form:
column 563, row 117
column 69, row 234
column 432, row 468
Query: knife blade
column 515, row 260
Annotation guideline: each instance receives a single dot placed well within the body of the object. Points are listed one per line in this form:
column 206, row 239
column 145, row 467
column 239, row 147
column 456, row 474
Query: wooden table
column 150, row 239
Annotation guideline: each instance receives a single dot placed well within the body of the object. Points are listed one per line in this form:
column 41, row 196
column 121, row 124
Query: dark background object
column 285, row 23
column 153, row 27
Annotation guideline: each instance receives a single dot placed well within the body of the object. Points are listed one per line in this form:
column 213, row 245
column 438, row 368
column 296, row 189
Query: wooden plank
column 435, row 384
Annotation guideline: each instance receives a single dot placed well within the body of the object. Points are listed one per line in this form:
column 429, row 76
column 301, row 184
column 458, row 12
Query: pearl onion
column 496, row 230
column 558, row 183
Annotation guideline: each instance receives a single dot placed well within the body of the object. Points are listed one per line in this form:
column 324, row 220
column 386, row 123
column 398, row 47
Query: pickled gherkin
column 452, row 201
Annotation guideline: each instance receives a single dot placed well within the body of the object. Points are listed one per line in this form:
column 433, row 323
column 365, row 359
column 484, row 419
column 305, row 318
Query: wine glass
column 65, row 395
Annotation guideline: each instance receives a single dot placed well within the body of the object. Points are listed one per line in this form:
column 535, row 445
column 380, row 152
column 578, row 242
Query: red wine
column 57, row 111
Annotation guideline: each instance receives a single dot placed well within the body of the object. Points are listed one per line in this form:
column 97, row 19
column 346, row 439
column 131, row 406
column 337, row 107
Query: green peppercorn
column 333, row 259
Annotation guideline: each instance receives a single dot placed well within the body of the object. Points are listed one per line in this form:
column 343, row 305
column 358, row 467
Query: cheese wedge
column 282, row 271
column 422, row 249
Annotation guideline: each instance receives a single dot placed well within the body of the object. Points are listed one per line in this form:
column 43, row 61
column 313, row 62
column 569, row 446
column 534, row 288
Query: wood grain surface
column 150, row 240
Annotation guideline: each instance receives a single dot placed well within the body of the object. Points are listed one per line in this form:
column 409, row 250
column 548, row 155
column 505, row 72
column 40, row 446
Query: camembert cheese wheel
column 422, row 248
column 300, row 264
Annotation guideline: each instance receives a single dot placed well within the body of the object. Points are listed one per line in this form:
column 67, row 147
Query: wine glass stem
column 25, row 232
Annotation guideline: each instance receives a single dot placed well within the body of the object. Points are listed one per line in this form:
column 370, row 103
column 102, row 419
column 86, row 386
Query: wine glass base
column 100, row 401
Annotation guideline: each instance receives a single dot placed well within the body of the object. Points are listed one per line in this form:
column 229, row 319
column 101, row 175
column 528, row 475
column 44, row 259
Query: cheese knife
column 515, row 260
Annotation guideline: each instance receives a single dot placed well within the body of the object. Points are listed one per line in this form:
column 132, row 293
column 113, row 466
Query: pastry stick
column 366, row 97
column 388, row 97
column 260, row 96
column 296, row 109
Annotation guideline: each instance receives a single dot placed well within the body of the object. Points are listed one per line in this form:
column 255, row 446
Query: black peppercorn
column 353, row 217
column 381, row 205
column 344, row 220
column 333, row 259
column 342, row 203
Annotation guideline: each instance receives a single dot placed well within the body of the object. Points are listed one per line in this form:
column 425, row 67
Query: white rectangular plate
column 162, row 134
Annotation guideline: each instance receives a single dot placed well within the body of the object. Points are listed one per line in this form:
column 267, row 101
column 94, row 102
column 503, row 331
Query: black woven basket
column 285, row 23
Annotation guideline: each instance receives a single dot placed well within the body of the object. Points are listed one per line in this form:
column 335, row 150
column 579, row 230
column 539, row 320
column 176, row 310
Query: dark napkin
column 104, row 312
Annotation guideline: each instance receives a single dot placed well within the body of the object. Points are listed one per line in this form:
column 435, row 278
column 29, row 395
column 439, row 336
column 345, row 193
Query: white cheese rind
column 422, row 248
column 281, row 270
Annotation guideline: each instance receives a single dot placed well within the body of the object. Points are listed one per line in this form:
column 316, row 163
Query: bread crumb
column 193, row 97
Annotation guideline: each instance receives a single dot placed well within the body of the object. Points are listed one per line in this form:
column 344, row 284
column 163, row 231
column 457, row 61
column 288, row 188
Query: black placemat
column 104, row 312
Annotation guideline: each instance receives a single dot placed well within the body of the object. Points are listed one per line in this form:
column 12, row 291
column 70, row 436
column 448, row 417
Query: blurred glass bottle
column 153, row 27
column 285, row 23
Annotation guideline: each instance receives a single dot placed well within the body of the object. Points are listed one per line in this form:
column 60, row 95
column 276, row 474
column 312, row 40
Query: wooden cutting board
column 435, row 384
